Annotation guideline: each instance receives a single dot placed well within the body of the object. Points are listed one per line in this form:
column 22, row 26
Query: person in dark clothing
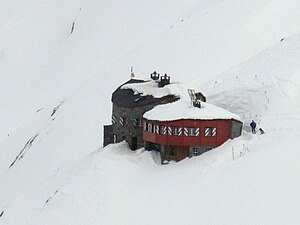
column 261, row 131
column 253, row 126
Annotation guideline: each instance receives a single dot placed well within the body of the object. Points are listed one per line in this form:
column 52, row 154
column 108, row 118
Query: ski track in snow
column 24, row 150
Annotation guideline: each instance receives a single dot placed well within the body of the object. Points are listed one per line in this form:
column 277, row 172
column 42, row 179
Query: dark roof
column 127, row 97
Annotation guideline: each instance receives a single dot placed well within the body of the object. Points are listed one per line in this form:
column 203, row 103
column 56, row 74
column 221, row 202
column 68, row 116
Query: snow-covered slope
column 53, row 169
column 117, row 186
column 265, row 88
column 195, row 39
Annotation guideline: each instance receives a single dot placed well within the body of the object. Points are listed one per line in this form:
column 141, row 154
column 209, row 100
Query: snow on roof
column 181, row 109
column 184, row 110
column 151, row 88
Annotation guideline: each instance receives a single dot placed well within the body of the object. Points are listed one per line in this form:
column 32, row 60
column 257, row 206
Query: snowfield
column 55, row 93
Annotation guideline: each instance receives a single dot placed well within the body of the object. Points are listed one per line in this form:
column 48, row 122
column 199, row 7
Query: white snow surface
column 59, row 172
column 184, row 110
column 181, row 109
column 150, row 87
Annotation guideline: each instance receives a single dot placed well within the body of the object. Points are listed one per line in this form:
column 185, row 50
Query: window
column 199, row 150
column 177, row 131
column 114, row 138
column 195, row 131
column 137, row 122
column 210, row 132
column 196, row 151
column 149, row 127
column 163, row 130
column 170, row 130
column 156, row 129
column 122, row 121
column 191, row 131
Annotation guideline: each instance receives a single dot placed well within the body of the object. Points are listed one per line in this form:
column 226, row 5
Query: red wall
column 223, row 133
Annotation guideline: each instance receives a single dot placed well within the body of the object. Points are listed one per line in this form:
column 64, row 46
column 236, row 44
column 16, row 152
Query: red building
column 158, row 115
column 179, row 130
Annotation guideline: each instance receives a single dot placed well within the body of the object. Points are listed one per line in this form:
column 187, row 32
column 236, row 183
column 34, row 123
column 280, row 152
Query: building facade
column 128, row 110
column 150, row 114
column 178, row 139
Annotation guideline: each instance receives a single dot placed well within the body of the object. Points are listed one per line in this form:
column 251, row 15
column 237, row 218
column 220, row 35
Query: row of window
column 200, row 150
column 137, row 122
column 179, row 131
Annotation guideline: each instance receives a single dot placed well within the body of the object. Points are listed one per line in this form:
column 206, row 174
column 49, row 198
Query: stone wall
column 107, row 135
column 132, row 125
column 130, row 128
column 236, row 129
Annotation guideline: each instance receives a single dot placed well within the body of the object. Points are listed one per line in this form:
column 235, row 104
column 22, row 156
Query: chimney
column 197, row 104
column 155, row 76
column 164, row 80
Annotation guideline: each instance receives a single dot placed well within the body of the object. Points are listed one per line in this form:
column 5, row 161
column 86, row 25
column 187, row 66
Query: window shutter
column 179, row 131
column 135, row 122
column 197, row 131
column 114, row 119
column 169, row 130
column 122, row 121
column 163, row 130
column 149, row 127
column 207, row 132
column 186, row 131
column 156, row 129
column 214, row 132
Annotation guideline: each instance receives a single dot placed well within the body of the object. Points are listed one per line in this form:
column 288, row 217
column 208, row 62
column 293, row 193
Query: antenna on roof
column 192, row 95
column 132, row 73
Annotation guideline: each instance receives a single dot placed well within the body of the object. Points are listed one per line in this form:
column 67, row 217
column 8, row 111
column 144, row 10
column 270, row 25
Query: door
column 133, row 143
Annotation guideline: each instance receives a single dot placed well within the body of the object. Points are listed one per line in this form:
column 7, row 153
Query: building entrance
column 133, row 143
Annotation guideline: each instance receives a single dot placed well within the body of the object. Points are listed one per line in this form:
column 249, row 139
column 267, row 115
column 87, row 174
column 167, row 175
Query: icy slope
column 116, row 186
